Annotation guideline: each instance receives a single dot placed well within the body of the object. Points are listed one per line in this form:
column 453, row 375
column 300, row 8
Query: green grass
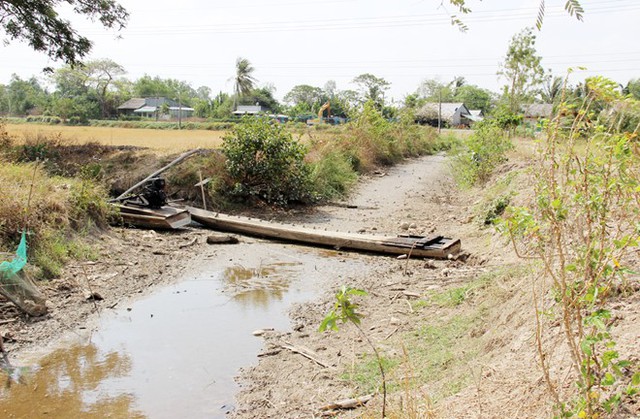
column 497, row 198
column 61, row 214
column 366, row 373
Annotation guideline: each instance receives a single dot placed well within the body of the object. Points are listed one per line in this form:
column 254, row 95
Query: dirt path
column 417, row 197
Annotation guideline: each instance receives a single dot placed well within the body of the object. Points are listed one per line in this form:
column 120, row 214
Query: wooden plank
column 440, row 248
column 162, row 218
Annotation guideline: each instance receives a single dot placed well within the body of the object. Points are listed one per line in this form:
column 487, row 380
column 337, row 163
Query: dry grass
column 168, row 141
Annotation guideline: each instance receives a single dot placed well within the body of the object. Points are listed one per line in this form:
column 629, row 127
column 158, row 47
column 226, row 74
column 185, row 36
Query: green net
column 13, row 267
column 17, row 286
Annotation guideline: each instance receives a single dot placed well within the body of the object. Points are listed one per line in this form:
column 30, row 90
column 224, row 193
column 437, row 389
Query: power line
column 359, row 23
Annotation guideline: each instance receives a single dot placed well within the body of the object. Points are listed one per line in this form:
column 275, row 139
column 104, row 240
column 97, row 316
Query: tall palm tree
column 243, row 81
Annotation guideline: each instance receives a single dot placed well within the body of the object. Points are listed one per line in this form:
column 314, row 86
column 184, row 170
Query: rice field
column 161, row 140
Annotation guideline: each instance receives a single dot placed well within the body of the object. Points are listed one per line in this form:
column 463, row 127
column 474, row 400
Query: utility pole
column 439, row 110
column 179, row 110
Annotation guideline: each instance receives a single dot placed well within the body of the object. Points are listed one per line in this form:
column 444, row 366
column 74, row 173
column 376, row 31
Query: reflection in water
column 184, row 344
column 259, row 286
column 64, row 383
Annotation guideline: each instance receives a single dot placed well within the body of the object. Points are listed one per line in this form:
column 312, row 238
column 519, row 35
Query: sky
column 291, row 42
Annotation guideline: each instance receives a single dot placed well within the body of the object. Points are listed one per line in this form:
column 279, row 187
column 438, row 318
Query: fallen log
column 348, row 403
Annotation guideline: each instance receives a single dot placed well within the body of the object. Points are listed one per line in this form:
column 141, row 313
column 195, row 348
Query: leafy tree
column 372, row 88
column 632, row 88
column 21, row 96
column 95, row 80
column 432, row 90
column 305, row 98
column 147, row 86
column 173, row 89
column 223, row 106
column 411, row 101
column 103, row 73
column 38, row 23
column 474, row 97
column 521, row 69
column 263, row 96
column 330, row 89
column 243, row 81
column 204, row 93
column 76, row 109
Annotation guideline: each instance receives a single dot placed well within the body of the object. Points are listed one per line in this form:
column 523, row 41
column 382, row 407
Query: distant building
column 537, row 111
column 152, row 107
column 249, row 110
column 476, row 115
column 451, row 114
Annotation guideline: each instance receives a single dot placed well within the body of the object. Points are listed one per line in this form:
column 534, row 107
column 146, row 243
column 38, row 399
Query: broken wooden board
column 165, row 218
column 436, row 246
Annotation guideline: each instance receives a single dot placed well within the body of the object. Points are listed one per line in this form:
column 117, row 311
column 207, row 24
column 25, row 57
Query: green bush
column 333, row 175
column 266, row 163
column 481, row 153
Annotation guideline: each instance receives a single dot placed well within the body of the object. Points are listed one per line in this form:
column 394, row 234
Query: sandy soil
column 418, row 197
column 458, row 332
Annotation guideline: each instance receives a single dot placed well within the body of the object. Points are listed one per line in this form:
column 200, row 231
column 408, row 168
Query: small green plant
column 345, row 310
column 481, row 153
column 494, row 210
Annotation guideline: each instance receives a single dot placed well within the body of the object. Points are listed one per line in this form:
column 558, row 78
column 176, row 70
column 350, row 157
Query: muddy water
column 175, row 353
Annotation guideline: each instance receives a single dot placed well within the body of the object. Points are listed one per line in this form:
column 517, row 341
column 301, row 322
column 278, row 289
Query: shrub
column 481, row 153
column 370, row 140
column 332, row 175
column 265, row 162
column 583, row 226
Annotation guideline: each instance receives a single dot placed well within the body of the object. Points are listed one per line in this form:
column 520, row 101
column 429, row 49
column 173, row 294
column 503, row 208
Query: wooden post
column 204, row 201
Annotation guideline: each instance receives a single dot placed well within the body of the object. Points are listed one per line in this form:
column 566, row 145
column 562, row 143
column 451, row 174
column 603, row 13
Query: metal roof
column 146, row 109
column 447, row 110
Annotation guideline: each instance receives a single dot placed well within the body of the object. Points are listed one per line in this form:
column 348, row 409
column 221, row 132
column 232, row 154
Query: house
column 451, row 114
column 249, row 110
column 476, row 115
column 153, row 107
column 537, row 111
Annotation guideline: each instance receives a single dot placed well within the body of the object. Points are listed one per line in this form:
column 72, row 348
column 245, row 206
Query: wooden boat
column 165, row 218
column 435, row 246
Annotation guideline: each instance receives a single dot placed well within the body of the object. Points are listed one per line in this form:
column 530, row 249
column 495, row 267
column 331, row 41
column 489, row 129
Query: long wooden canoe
column 165, row 218
column 435, row 246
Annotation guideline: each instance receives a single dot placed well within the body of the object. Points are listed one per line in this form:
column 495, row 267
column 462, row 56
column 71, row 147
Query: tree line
column 94, row 90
